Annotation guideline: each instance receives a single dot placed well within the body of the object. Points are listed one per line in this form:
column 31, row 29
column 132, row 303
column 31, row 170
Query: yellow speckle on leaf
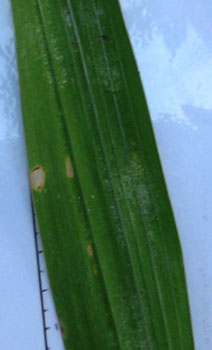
column 89, row 250
column 134, row 156
column 37, row 178
column 69, row 168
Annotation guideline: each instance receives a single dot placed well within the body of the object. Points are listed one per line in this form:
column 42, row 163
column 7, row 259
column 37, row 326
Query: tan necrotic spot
column 69, row 168
column 89, row 250
column 37, row 178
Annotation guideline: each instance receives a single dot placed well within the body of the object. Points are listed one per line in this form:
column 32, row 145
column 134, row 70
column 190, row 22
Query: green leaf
column 110, row 240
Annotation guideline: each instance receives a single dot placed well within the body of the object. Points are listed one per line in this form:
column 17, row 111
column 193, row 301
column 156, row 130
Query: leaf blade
column 129, row 262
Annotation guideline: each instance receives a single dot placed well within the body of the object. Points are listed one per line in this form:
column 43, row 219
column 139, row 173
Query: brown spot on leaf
column 37, row 178
column 89, row 250
column 62, row 331
column 61, row 327
column 69, row 168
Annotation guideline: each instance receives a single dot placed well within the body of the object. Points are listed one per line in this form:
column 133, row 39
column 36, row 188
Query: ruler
column 51, row 330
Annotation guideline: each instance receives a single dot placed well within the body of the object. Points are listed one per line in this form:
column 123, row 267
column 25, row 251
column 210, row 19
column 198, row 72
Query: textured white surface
column 21, row 326
column 172, row 42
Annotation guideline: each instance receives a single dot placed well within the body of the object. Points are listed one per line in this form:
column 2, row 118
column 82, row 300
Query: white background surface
column 173, row 45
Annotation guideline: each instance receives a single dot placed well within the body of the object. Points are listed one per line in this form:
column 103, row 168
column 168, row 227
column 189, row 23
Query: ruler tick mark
column 44, row 290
